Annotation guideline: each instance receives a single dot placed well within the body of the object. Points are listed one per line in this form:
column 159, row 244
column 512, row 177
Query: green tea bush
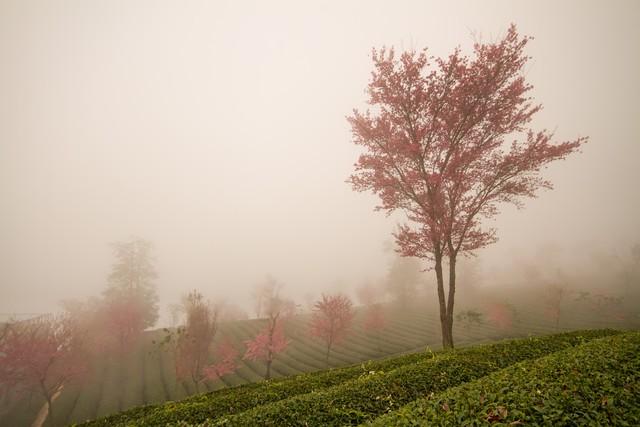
column 346, row 395
column 382, row 390
column 591, row 385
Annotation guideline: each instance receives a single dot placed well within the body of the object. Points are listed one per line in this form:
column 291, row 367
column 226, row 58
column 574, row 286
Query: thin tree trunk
column 327, row 355
column 441, row 301
column 268, row 374
column 451, row 298
column 49, row 411
column 45, row 414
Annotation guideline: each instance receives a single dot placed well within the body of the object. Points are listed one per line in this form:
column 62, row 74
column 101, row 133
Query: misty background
column 217, row 131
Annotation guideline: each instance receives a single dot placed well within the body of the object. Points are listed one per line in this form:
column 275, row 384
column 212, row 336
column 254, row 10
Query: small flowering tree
column 331, row 320
column 374, row 319
column 41, row 355
column 193, row 341
column 270, row 341
column 226, row 356
column 124, row 322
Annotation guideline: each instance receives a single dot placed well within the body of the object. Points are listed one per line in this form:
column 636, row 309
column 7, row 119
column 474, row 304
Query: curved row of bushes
column 594, row 384
column 379, row 391
column 240, row 398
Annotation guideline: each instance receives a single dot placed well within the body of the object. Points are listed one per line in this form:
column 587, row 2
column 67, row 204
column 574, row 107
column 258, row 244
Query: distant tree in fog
column 331, row 320
column 367, row 293
column 374, row 321
column 195, row 337
column 264, row 292
column 271, row 339
column 226, row 363
column 124, row 322
column 555, row 294
column 501, row 315
column 403, row 277
column 438, row 146
column 41, row 355
column 132, row 279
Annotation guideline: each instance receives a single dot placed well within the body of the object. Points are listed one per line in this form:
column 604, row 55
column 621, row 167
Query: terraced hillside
column 584, row 376
column 146, row 375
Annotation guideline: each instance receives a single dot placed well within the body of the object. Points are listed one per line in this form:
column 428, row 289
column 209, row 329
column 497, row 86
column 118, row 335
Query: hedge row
column 381, row 391
column 595, row 384
column 240, row 398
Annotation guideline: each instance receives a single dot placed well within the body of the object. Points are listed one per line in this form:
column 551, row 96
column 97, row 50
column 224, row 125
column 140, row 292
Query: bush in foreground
column 597, row 383
column 378, row 392
column 347, row 395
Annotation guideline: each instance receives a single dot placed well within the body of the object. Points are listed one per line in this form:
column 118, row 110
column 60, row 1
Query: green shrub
column 381, row 391
column 594, row 384
column 390, row 383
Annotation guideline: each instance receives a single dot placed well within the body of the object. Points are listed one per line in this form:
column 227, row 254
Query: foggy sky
column 217, row 131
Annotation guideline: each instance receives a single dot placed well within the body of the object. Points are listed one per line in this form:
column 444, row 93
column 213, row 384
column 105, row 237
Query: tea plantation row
column 348, row 395
column 595, row 384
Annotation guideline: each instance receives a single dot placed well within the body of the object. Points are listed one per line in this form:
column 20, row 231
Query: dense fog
column 217, row 132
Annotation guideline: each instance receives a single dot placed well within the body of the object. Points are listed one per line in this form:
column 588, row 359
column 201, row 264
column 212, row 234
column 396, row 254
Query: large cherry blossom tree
column 446, row 142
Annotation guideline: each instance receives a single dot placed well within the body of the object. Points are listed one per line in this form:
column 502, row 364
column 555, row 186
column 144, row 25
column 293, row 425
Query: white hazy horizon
column 217, row 131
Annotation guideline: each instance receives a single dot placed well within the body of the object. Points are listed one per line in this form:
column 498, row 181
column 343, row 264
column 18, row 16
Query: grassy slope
column 597, row 383
column 147, row 375
column 379, row 391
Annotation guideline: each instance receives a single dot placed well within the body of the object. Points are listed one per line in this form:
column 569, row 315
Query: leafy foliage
column 40, row 355
column 194, row 339
column 597, row 383
column 331, row 320
column 348, row 395
column 378, row 392
column 130, row 299
column 267, row 343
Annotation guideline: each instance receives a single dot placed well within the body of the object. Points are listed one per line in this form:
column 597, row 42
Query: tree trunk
column 269, row 361
column 451, row 299
column 444, row 324
column 327, row 355
column 49, row 411
column 267, row 376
